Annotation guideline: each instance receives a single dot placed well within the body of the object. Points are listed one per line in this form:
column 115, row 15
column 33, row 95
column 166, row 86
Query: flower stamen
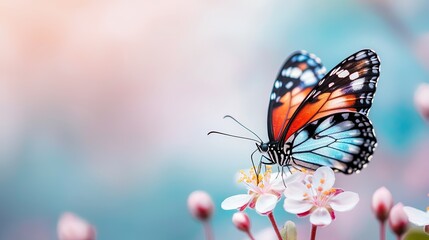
column 263, row 191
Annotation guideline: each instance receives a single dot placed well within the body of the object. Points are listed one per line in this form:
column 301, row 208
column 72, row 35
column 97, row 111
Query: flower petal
column 320, row 217
column 324, row 177
column 344, row 201
column 295, row 177
column 276, row 182
column 236, row 201
column 296, row 191
column 417, row 216
column 296, row 206
column 266, row 203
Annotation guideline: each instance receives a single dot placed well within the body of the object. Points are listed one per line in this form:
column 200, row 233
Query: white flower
column 264, row 191
column 416, row 216
column 316, row 197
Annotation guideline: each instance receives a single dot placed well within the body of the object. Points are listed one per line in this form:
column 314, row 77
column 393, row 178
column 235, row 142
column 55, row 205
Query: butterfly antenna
column 235, row 120
column 231, row 135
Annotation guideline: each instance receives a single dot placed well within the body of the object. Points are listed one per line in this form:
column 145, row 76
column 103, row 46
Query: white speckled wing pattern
column 343, row 141
column 299, row 74
column 348, row 87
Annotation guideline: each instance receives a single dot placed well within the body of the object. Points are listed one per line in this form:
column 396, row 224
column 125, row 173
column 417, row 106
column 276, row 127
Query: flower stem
column 273, row 222
column 382, row 230
column 250, row 235
column 208, row 230
column 313, row 232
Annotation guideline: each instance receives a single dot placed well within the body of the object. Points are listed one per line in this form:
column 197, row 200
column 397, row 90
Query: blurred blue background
column 105, row 107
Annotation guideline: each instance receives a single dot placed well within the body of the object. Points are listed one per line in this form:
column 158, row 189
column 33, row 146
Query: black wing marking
column 343, row 141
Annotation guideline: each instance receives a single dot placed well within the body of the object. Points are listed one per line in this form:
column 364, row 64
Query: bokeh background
column 105, row 106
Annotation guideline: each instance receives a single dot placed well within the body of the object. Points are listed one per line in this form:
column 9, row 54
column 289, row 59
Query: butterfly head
column 262, row 147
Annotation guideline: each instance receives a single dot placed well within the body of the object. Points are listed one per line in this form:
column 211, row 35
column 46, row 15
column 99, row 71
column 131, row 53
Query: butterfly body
column 317, row 119
column 276, row 153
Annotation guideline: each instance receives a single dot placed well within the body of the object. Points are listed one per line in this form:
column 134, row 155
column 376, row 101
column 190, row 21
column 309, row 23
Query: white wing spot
column 273, row 96
column 289, row 84
column 334, row 71
column 354, row 75
column 343, row 74
column 358, row 84
column 295, row 72
column 308, row 78
column 360, row 55
column 277, row 84
column 286, row 72
column 331, row 84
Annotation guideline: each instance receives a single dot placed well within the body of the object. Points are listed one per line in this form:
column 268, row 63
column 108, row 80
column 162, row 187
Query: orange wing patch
column 326, row 104
column 290, row 102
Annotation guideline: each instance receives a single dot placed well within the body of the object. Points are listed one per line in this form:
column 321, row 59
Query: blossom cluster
column 397, row 215
column 303, row 193
column 306, row 194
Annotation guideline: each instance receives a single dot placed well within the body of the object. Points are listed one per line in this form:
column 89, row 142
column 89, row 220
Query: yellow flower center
column 255, row 179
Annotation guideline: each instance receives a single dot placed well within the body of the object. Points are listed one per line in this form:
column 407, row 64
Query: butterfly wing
column 300, row 73
column 349, row 87
column 343, row 141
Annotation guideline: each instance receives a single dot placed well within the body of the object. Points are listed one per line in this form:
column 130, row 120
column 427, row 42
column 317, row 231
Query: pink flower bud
column 200, row 205
column 71, row 227
column 382, row 202
column 241, row 221
column 398, row 220
column 421, row 100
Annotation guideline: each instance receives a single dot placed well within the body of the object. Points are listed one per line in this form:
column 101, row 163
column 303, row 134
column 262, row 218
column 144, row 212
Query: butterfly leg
column 278, row 171
column 270, row 162
column 283, row 179
column 257, row 170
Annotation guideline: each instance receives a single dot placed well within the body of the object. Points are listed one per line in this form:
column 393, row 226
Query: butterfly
column 317, row 119
column 320, row 119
